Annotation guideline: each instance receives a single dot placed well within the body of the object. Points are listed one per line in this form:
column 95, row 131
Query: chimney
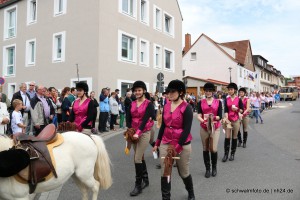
column 187, row 43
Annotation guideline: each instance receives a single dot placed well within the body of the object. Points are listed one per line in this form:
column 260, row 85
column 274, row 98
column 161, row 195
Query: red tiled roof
column 240, row 48
column 5, row 3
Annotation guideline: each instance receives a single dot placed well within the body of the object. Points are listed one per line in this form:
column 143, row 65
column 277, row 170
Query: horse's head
column 5, row 142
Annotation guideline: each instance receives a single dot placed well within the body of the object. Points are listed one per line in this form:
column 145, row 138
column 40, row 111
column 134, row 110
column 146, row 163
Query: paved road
column 268, row 167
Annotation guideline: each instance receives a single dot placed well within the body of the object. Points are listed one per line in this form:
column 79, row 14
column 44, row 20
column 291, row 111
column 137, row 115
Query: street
column 267, row 169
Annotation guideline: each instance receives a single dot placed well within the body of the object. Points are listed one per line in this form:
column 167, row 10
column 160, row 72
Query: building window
column 144, row 52
column 60, row 7
column 127, row 47
column 30, row 52
column 9, row 60
column 11, row 89
column 31, row 11
column 128, row 7
column 59, row 41
column 193, row 56
column 157, row 14
column 265, row 76
column 261, row 74
column 157, row 56
column 168, row 24
column 168, row 59
column 10, row 22
column 144, row 11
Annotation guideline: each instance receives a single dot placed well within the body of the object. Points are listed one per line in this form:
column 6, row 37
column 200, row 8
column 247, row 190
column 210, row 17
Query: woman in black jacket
column 96, row 104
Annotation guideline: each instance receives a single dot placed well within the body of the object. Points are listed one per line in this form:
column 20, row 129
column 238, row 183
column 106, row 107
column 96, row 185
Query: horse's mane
column 5, row 142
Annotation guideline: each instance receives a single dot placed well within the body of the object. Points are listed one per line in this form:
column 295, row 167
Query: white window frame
column 134, row 9
column 147, row 53
column 5, row 60
column 155, row 25
column 120, row 81
column 55, row 59
column 89, row 81
column 30, row 12
column 146, row 12
column 29, row 53
column 171, row 33
column 57, row 12
column 11, row 92
column 159, row 66
column 134, row 46
column 172, row 59
column 6, row 17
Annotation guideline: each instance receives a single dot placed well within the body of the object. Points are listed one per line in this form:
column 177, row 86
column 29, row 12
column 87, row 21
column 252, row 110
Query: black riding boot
column 240, row 139
column 165, row 188
column 214, row 159
column 206, row 163
column 188, row 182
column 138, row 179
column 145, row 178
column 226, row 149
column 233, row 149
column 245, row 136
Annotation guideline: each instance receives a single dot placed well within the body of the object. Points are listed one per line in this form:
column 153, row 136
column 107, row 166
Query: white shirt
column 256, row 102
column 26, row 101
column 16, row 118
column 3, row 114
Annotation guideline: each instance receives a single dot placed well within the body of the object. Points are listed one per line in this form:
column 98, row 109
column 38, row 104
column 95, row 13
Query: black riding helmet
column 177, row 85
column 209, row 86
column 82, row 85
column 139, row 84
column 232, row 85
column 243, row 90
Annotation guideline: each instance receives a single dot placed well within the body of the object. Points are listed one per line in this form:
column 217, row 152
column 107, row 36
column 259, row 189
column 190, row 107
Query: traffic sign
column 160, row 76
column 2, row 80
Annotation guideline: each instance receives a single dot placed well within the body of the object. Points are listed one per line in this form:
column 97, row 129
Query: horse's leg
column 86, row 183
column 82, row 187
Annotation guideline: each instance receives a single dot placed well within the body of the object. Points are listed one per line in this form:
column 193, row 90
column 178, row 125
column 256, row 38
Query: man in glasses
column 31, row 91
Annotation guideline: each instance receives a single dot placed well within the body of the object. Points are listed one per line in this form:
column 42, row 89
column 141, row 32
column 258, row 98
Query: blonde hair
column 16, row 102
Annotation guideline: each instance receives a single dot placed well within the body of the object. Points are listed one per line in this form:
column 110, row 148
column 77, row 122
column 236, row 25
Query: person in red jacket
column 233, row 105
column 245, row 119
column 210, row 108
column 139, row 116
column 176, row 130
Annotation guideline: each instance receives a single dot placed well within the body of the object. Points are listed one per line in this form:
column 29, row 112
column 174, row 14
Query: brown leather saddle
column 40, row 164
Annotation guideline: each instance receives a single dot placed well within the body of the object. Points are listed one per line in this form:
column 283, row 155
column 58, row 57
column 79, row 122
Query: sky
column 272, row 26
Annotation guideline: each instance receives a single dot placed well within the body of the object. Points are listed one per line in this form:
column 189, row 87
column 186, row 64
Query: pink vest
column 137, row 114
column 206, row 109
column 174, row 124
column 81, row 111
column 245, row 106
column 232, row 116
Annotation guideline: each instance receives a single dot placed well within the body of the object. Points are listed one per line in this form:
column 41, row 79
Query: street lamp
column 230, row 72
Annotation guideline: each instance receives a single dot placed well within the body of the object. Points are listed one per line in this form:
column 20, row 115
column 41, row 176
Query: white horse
column 81, row 157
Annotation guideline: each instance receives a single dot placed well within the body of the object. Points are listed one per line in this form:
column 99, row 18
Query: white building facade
column 113, row 43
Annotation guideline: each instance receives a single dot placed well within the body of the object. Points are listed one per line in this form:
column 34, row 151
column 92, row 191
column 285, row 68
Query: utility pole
column 77, row 72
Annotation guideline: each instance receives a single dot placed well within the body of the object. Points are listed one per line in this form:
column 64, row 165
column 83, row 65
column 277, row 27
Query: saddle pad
column 20, row 177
